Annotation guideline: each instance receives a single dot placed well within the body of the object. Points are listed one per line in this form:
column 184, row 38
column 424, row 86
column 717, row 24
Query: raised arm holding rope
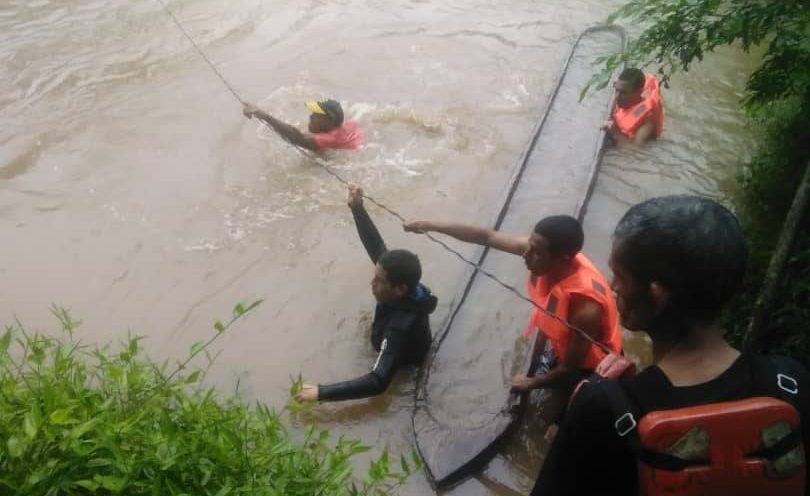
column 564, row 283
column 585, row 338
column 401, row 327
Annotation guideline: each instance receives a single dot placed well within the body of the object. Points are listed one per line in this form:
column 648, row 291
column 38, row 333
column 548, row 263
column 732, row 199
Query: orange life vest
column 732, row 450
column 629, row 120
column 586, row 281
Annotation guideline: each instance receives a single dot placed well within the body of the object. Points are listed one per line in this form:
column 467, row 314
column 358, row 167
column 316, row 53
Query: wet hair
column 401, row 267
column 633, row 76
column 563, row 234
column 692, row 246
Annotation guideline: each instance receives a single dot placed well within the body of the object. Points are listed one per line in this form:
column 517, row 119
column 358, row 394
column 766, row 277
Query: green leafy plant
column 84, row 420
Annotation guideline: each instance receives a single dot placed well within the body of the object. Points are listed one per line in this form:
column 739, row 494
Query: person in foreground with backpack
column 704, row 418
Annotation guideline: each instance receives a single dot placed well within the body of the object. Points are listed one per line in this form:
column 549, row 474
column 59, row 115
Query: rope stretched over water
column 461, row 257
column 391, row 211
column 202, row 54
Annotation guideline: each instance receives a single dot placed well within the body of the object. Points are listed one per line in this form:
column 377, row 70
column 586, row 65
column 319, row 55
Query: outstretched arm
column 371, row 384
column 288, row 132
column 510, row 243
column 369, row 235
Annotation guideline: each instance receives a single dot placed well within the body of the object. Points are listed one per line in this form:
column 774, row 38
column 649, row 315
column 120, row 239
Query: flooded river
column 133, row 192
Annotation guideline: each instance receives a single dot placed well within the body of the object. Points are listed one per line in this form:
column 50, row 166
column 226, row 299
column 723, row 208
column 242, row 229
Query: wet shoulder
column 590, row 403
column 788, row 364
column 350, row 125
column 785, row 366
column 402, row 318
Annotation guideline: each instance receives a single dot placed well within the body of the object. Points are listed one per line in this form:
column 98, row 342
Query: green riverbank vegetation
column 78, row 419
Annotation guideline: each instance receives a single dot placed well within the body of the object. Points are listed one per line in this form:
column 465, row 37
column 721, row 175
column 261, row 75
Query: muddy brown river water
column 133, row 192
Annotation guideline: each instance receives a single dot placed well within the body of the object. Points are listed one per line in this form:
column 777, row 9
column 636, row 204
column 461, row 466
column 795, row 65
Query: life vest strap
column 784, row 387
column 627, row 414
column 672, row 463
column 626, row 426
column 781, row 448
column 665, row 461
column 787, row 384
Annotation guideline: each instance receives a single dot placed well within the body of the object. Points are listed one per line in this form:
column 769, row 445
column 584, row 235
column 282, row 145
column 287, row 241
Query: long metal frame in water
column 420, row 392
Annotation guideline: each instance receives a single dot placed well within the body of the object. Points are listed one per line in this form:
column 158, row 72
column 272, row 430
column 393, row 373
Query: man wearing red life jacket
column 705, row 419
column 639, row 112
column 328, row 129
column 565, row 283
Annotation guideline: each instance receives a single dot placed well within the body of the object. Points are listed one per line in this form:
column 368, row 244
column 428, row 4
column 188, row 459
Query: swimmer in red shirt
column 328, row 129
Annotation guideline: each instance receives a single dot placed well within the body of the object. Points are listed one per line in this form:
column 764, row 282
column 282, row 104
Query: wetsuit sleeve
column 369, row 235
column 587, row 455
column 373, row 383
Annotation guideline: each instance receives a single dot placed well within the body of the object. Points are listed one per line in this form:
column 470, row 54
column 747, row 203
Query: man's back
column 348, row 136
column 407, row 323
column 589, row 437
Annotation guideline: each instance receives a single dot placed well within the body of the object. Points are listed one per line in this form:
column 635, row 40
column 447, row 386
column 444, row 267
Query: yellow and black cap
column 329, row 108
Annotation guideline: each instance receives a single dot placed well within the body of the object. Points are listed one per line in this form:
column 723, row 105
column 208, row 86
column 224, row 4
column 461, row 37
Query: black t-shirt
column 588, row 457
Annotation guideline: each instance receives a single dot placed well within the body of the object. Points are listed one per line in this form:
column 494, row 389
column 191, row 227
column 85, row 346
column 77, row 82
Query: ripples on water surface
column 132, row 190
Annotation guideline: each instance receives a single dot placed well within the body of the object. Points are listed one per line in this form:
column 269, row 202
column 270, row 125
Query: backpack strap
column 773, row 376
column 781, row 448
column 626, row 415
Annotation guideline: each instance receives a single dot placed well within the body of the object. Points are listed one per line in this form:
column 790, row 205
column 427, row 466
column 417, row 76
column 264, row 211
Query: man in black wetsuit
column 676, row 260
column 401, row 329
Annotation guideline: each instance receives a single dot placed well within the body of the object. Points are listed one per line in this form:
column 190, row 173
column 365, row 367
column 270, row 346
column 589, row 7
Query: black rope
column 458, row 255
column 202, row 54
column 391, row 211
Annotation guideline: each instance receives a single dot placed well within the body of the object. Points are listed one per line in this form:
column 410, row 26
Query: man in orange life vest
column 705, row 418
column 561, row 280
column 328, row 129
column 639, row 112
